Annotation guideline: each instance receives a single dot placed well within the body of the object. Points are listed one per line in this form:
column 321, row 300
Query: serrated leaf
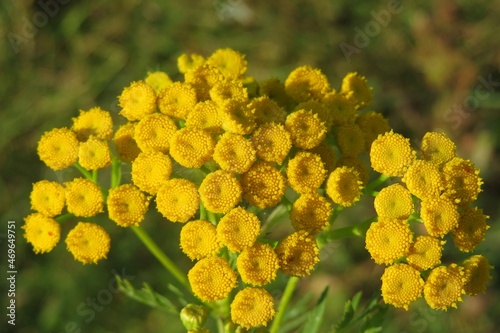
column 315, row 317
column 348, row 314
column 355, row 300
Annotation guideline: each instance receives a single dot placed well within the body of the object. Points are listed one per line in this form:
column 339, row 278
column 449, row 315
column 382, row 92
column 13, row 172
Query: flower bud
column 193, row 317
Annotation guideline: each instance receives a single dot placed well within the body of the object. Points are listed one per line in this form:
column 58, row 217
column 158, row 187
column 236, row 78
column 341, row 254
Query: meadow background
column 433, row 66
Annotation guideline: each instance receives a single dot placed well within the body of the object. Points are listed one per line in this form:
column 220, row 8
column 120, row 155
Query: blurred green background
column 433, row 65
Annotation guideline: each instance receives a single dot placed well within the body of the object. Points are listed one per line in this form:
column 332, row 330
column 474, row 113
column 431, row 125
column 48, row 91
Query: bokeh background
column 433, row 66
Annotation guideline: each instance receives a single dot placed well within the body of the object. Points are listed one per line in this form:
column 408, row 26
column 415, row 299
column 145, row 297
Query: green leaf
column 315, row 317
column 297, row 315
column 349, row 310
column 373, row 330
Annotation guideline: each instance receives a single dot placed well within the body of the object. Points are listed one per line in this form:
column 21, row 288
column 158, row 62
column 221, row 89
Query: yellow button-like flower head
column 401, row 285
column 187, row 62
column 88, row 242
column 272, row 142
column 125, row 143
column 477, row 274
column 151, row 170
column 267, row 111
column 227, row 90
column 198, row 239
column 444, row 287
column 298, row 253
column 311, row 212
column 327, row 155
column 58, row 148
column 234, row 152
column 238, row 229
column 372, row 124
column 127, row 205
column 137, row 100
column 192, row 147
column 154, row 131
column 158, row 81
column 340, row 109
column 306, row 129
column 205, row 115
column 237, row 117
column 423, row 179
column 350, row 139
column 318, row 108
column 440, row 216
column 462, row 180
column 437, row 148
column 177, row 100
column 425, row 252
column 275, row 90
column 344, row 186
column 47, row 198
column 391, row 154
column 252, row 307
column 394, row 201
column 83, row 197
column 305, row 172
column 231, row 63
column 388, row 240
column 220, row 191
column 258, row 264
column 203, row 78
column 42, row 232
column 357, row 164
column 178, row 200
column 471, row 228
column 212, row 279
column 94, row 154
column 305, row 83
column 356, row 89
column 263, row 185
column 94, row 122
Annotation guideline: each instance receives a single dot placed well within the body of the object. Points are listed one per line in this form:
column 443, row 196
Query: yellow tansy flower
column 462, row 181
column 267, row 111
column 220, row 191
column 137, row 100
column 477, row 274
column 177, row 100
column 350, row 139
column 257, row 264
column 318, row 108
column 401, row 285
column 151, row 170
column 205, row 115
column 310, row 212
column 327, row 155
column 306, row 129
column 471, row 228
column 154, row 131
column 423, row 179
column 47, row 198
column 127, row 205
column 234, row 152
column 340, row 109
column 192, row 147
column 355, row 163
column 198, row 239
column 94, row 122
column 238, row 229
column 437, row 148
column 298, row 253
column 372, row 124
column 356, row 89
column 388, row 240
column 394, row 201
column 42, row 232
column 425, row 252
column 237, row 117
column 252, row 307
column 187, row 62
column 263, row 185
column 275, row 90
column 228, row 90
column 203, row 78
column 231, row 63
column 158, row 81
column 125, row 144
column 391, row 154
column 94, row 154
column 212, row 279
column 344, row 186
column 444, row 287
column 305, row 83
column 88, row 242
column 440, row 216
column 305, row 172
column 58, row 148
column 178, row 200
column 83, row 198
column 272, row 142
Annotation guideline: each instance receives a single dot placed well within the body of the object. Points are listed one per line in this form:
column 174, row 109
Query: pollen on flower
column 177, row 100
column 391, row 154
column 83, row 198
column 471, row 228
column 94, row 122
column 327, row 155
column 192, row 147
column 88, row 242
column 356, row 89
column 350, row 139
column 94, row 154
column 372, row 124
column 42, row 232
column 203, row 78
column 305, row 83
column 341, row 110
column 462, row 180
column 158, row 81
column 228, row 90
column 394, row 201
column 388, row 240
column 258, row 264
column 440, row 216
column 220, row 191
column 267, row 111
column 306, row 129
column 252, row 307
column 423, row 179
column 47, row 198
column 238, row 229
column 198, row 239
column 137, row 100
column 444, row 287
column 212, row 279
column 437, row 148
column 401, row 285
column 58, row 148
column 187, row 62
column 231, row 63
column 310, row 212
column 153, row 132
column 263, row 185
column 151, row 170
column 344, row 186
column 272, row 142
column 477, row 274
column 125, row 144
column 317, row 108
column 298, row 253
column 234, row 152
column 127, row 205
column 425, row 252
column 237, row 117
column 178, row 200
column 205, row 115
column 356, row 164
column 305, row 172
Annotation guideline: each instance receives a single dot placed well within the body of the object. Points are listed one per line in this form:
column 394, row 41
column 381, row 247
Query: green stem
column 161, row 256
column 211, row 217
column 116, row 172
column 346, row 232
column 287, row 295
column 83, row 171
column 64, row 217
column 336, row 211
column 376, row 183
column 94, row 176
column 203, row 212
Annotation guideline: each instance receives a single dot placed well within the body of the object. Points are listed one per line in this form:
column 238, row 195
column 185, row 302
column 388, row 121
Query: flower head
column 137, row 100
column 42, row 232
column 153, row 132
column 423, row 179
column 83, row 197
column 252, row 307
column 47, row 198
column 237, row 117
column 187, row 62
column 257, row 264
column 341, row 110
column 58, row 148
column 372, row 124
column 462, row 180
column 318, row 108
column 151, row 170
column 212, row 279
column 401, row 285
column 310, row 212
column 94, row 154
column 158, row 81
column 355, row 163
column 306, row 129
column 238, row 229
column 127, row 205
column 305, row 83
column 272, row 142
column 203, row 78
column 94, row 122
column 477, row 274
column 177, row 100
column 234, row 152
column 198, row 239
column 178, row 200
column 344, row 186
column 220, row 191
column 356, row 89
column 231, row 63
column 228, row 90
column 350, row 139
column 305, row 172
column 275, row 90
column 437, row 148
column 267, row 111
column 88, row 242
column 298, row 253
column 440, row 216
column 444, row 287
column 205, row 115
column 394, row 201
column 125, row 143
column 425, row 252
column 327, row 155
column 471, row 228
column 192, row 147
column 391, row 154
column 263, row 185
column 388, row 240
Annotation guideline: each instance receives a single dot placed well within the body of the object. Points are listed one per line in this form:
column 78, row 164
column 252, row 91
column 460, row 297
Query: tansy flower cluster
column 429, row 205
